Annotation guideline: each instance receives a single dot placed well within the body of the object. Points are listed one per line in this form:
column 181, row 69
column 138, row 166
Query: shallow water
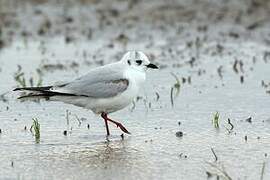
column 153, row 151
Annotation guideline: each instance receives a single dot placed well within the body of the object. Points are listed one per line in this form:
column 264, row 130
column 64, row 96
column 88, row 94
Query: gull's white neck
column 135, row 76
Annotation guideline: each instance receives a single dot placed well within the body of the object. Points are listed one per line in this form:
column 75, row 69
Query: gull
column 103, row 90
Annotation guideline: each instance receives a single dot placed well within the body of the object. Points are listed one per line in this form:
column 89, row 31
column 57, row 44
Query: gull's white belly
column 99, row 105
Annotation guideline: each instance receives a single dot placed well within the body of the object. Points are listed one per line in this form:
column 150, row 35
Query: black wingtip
column 46, row 96
column 45, row 88
column 20, row 89
column 16, row 89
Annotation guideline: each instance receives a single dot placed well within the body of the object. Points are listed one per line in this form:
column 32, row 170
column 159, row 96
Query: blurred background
column 126, row 20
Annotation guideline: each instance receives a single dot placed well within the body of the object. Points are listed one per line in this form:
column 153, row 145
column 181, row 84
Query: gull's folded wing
column 103, row 82
column 107, row 81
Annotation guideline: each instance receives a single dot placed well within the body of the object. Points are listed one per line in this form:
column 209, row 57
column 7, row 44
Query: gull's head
column 137, row 60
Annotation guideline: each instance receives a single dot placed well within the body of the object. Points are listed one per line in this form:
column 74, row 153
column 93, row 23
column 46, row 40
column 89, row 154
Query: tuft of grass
column 36, row 127
column 67, row 116
column 216, row 158
column 133, row 106
column 262, row 171
column 79, row 120
column 218, row 170
column 216, row 120
column 175, row 89
column 3, row 97
column 231, row 126
column 40, row 80
column 19, row 77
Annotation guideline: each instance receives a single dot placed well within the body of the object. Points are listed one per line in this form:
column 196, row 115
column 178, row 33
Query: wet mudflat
column 204, row 114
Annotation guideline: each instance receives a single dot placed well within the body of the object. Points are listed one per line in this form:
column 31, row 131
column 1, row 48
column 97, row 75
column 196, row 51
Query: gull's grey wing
column 103, row 82
column 101, row 89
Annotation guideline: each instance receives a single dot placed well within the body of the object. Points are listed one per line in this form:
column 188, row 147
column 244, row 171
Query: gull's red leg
column 104, row 116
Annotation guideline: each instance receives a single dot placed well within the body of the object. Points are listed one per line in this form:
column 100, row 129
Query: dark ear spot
column 139, row 62
column 129, row 62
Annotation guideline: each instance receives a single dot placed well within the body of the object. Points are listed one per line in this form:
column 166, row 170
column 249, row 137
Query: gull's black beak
column 151, row 66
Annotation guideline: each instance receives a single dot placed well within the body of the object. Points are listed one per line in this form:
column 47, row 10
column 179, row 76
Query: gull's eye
column 139, row 62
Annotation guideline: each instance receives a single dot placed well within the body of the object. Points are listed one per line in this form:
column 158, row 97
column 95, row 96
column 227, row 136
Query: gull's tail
column 40, row 92
column 34, row 92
